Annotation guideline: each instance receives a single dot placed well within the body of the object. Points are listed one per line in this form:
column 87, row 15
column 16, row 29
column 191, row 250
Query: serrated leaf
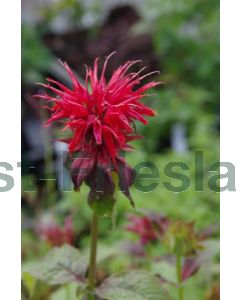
column 137, row 285
column 61, row 265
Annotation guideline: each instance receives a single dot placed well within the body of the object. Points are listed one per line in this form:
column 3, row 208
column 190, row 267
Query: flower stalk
column 93, row 255
column 179, row 277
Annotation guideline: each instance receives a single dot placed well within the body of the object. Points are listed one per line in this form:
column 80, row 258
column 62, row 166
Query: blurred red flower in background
column 57, row 235
column 149, row 227
column 101, row 116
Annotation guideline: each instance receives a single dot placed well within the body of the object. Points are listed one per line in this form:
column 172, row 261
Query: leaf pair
column 66, row 264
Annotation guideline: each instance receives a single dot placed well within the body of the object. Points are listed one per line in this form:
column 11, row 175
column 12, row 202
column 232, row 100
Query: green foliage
column 103, row 205
column 60, row 266
column 36, row 57
column 135, row 284
column 186, row 39
column 53, row 10
column 186, row 36
column 33, row 288
column 66, row 292
column 185, row 104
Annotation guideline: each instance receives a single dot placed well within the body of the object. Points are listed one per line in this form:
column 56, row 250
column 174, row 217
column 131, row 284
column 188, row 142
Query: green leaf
column 61, row 265
column 24, row 292
column 103, row 205
column 137, row 285
column 165, row 269
column 66, row 292
column 28, row 284
column 33, row 289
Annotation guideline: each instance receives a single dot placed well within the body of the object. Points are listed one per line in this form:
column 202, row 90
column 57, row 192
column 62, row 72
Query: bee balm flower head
column 101, row 117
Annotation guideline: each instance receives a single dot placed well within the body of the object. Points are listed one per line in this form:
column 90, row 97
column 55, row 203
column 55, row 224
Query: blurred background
column 181, row 39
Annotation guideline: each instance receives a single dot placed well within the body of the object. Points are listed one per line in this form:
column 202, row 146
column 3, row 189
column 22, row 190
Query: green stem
column 179, row 277
column 93, row 255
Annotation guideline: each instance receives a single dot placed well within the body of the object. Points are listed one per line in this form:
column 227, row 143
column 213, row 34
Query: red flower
column 142, row 226
column 55, row 235
column 101, row 116
column 148, row 227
